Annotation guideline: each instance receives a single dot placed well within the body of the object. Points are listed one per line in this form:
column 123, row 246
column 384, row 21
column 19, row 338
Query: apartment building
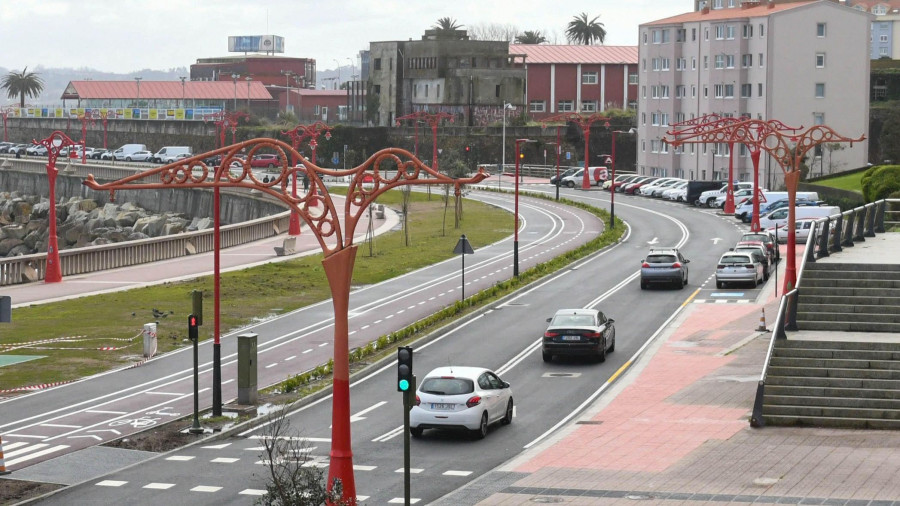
column 885, row 39
column 803, row 63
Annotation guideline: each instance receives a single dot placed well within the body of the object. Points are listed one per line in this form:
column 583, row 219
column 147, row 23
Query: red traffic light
column 467, row 149
column 193, row 331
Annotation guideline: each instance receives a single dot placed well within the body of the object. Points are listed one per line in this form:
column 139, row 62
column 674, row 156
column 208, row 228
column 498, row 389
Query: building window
column 589, row 78
column 705, row 61
column 663, row 92
column 693, row 91
column 664, row 64
column 654, row 91
column 654, row 118
column 729, row 91
column 719, row 90
column 645, row 37
column 820, row 90
column 720, row 61
column 632, row 78
column 566, row 106
column 705, row 91
column 680, row 63
column 820, row 60
column 729, row 61
column 377, row 63
column 377, row 89
column 746, row 60
column 679, row 117
column 818, row 118
column 589, row 105
column 536, row 106
column 882, row 51
column 693, row 34
column 762, row 30
column 720, row 32
column 643, row 92
column 496, row 91
column 883, row 38
column 655, row 36
column 680, row 35
column 760, row 60
column 693, row 63
column 706, row 33
column 644, row 64
column 747, row 31
column 746, row 90
column 643, row 118
column 759, row 89
column 680, row 91
column 820, row 29
column 729, row 32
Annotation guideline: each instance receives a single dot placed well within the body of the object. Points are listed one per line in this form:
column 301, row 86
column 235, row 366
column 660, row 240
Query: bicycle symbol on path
column 138, row 423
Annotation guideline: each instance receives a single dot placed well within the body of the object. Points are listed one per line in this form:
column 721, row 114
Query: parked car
column 664, row 265
column 4, row 146
column 634, row 186
column 739, row 197
column 676, row 192
column 18, row 149
column 802, row 228
column 175, row 158
column 759, row 252
column 107, row 155
column 738, row 268
column 470, row 398
column 658, row 191
column 139, row 156
column 98, row 153
column 36, row 150
column 647, row 189
column 579, row 332
column 746, row 216
column 567, row 172
column 619, row 183
column 265, row 160
column 708, row 198
column 596, row 178
column 767, row 239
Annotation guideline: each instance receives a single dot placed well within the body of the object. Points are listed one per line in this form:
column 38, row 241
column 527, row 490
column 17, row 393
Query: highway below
column 504, row 337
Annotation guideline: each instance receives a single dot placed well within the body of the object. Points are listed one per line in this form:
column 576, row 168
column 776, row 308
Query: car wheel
column 416, row 431
column 570, row 184
column 711, row 202
column 507, row 419
column 601, row 357
column 680, row 283
column 546, row 356
column 643, row 285
column 482, row 430
column 271, row 165
column 612, row 347
column 720, row 285
column 127, row 158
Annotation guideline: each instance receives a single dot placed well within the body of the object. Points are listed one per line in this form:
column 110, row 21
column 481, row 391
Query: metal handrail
column 756, row 419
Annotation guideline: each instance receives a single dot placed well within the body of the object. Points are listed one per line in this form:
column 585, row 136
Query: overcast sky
column 126, row 36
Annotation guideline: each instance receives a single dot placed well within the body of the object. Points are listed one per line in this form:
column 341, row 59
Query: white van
column 128, row 149
column 168, row 154
column 745, row 211
column 780, row 216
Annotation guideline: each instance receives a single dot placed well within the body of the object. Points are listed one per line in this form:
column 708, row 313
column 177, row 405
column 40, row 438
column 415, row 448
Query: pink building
column 578, row 78
column 313, row 105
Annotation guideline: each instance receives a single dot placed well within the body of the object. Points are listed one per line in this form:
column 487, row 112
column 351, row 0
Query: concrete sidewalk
column 235, row 258
column 675, row 429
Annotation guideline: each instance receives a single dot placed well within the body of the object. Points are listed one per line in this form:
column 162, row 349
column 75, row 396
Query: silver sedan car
column 736, row 267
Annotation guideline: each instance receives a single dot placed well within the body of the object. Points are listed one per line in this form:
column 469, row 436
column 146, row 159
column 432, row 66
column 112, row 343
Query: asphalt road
column 504, row 338
column 59, row 421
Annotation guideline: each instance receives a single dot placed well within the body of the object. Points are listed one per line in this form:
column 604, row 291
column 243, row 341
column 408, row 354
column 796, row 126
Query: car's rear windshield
column 661, row 259
column 755, row 237
column 448, row 386
column 575, row 320
column 734, row 259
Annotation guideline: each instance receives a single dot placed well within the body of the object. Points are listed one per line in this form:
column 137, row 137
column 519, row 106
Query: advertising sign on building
column 255, row 44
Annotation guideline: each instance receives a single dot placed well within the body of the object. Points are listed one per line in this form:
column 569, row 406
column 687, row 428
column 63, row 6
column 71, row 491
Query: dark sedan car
column 579, row 332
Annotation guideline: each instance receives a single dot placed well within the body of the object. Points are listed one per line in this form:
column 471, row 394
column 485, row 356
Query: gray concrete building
column 445, row 71
column 802, row 63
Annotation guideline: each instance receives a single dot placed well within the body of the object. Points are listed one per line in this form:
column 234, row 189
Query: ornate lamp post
column 298, row 135
column 516, row 212
column 104, row 116
column 786, row 148
column 234, row 77
column 334, row 233
column 5, row 114
column 183, row 78
column 85, row 120
column 433, row 119
column 54, row 144
column 249, row 80
column 584, row 121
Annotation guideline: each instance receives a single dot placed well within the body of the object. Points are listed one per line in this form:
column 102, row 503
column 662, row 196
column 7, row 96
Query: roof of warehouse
column 212, row 90
column 548, row 53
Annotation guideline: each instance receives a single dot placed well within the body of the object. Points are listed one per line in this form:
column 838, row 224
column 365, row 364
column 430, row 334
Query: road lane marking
column 224, row 460
column 271, row 365
column 358, row 416
column 180, row 458
column 457, row 473
column 60, row 425
column 159, row 486
column 412, row 470
column 292, row 357
column 307, row 351
column 164, row 393
column 110, row 483
column 26, row 436
column 252, row 491
column 101, row 412
column 216, row 447
column 205, row 488
column 323, row 344
column 357, row 467
column 31, row 456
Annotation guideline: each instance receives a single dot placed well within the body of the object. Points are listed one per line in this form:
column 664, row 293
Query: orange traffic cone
column 762, row 321
column 2, row 463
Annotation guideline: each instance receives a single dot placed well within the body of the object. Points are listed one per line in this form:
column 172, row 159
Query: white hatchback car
column 470, row 398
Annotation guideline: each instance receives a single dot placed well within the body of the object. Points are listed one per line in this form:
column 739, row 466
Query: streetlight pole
column 56, row 142
column 182, row 90
column 506, row 106
column 339, row 74
column 138, row 103
column 516, row 212
column 234, row 77
column 249, row 80
column 5, row 114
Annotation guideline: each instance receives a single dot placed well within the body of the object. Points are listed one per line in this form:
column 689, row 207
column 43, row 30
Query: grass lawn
column 108, row 320
column 844, row 182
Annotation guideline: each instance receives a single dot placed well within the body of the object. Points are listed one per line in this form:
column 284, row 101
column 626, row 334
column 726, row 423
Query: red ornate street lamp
column 336, row 241
column 104, row 115
column 85, row 119
column 434, row 119
column 787, row 148
column 298, row 135
column 584, row 121
column 54, row 144
column 5, row 114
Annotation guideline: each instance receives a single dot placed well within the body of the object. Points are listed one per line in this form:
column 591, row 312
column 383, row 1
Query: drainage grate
column 588, row 422
column 546, row 500
column 561, row 374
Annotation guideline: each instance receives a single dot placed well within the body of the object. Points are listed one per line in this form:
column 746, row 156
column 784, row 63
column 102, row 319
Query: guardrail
column 30, row 268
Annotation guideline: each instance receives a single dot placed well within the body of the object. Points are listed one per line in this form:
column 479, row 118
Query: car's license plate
column 571, row 338
column 441, row 406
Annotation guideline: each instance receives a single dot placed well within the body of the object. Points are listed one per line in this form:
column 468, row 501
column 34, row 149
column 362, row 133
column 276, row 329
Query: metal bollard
column 848, row 235
column 823, row 239
column 870, row 220
column 879, row 216
column 838, row 229
column 860, row 224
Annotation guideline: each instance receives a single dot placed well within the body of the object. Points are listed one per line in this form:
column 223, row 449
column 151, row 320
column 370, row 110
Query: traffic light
column 468, row 148
column 404, row 368
column 193, row 331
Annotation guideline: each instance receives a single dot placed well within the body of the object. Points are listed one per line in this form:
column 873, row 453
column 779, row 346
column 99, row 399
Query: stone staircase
column 833, row 384
column 849, row 297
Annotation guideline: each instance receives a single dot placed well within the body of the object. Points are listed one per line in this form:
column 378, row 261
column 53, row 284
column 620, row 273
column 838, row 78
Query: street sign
column 463, row 247
column 568, row 155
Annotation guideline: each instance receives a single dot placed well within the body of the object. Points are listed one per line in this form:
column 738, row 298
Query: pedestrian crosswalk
column 19, row 452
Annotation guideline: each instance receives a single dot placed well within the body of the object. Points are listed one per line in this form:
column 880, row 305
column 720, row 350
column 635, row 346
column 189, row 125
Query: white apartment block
column 803, row 63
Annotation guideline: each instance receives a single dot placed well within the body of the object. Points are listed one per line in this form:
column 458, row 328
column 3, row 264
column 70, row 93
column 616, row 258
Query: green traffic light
column 404, row 385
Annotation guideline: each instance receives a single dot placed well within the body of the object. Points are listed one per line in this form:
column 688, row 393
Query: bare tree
column 493, row 31
column 404, row 206
column 292, row 481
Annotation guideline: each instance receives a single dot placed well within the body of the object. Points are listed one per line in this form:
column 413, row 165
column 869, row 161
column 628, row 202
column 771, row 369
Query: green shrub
column 880, row 182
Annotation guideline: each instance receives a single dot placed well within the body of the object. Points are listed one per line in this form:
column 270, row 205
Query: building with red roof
column 803, row 63
column 578, row 78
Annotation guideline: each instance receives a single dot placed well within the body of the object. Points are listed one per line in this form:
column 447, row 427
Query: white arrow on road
column 98, row 438
column 359, row 416
column 114, row 431
column 654, row 241
column 716, row 240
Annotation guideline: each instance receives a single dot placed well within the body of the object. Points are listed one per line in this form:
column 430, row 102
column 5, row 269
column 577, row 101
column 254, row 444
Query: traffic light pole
column 409, row 398
column 194, row 337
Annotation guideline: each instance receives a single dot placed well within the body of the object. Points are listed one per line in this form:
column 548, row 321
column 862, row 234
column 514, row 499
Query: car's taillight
column 593, row 335
column 720, row 266
column 550, row 334
column 473, row 401
column 676, row 265
column 418, row 401
column 749, row 266
column 645, row 264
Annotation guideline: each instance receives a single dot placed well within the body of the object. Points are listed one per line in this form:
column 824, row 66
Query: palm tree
column 531, row 37
column 584, row 31
column 446, row 24
column 22, row 84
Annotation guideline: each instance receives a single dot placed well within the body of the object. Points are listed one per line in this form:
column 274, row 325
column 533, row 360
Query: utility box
column 247, row 366
column 149, row 340
column 5, row 309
